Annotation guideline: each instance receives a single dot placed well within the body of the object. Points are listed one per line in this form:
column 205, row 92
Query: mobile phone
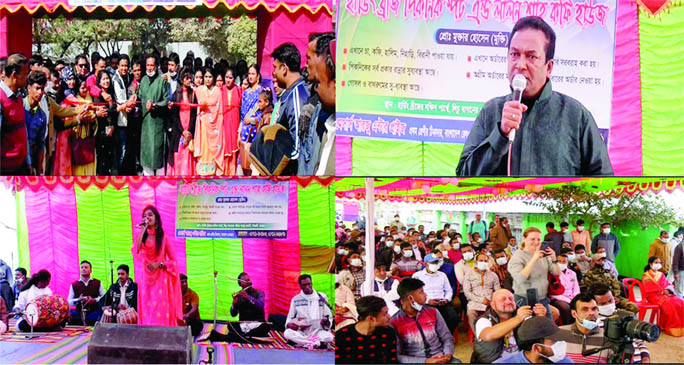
column 532, row 297
column 545, row 245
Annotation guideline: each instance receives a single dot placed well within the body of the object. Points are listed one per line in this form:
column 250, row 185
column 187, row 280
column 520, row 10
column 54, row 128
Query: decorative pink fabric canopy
column 479, row 190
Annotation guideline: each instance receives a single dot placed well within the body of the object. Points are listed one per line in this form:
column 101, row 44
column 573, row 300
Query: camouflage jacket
column 597, row 275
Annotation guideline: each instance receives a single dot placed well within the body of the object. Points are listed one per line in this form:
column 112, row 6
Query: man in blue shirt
column 539, row 341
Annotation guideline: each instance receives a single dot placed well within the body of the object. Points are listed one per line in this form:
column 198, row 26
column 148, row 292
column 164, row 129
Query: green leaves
column 647, row 209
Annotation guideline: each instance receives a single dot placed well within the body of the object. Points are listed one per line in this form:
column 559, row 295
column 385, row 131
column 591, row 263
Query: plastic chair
column 647, row 311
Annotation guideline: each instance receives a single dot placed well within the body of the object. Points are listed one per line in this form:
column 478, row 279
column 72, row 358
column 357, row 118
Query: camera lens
column 642, row 330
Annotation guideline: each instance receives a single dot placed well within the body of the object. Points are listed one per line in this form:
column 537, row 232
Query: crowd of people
column 160, row 297
column 152, row 115
column 427, row 283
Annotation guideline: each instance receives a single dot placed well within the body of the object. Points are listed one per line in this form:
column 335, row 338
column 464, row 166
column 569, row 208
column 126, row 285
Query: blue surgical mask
column 590, row 325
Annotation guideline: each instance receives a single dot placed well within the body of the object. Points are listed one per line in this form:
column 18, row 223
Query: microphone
column 519, row 84
column 143, row 223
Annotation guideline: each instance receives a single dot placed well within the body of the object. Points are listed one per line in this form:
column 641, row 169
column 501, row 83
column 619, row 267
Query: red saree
column 671, row 307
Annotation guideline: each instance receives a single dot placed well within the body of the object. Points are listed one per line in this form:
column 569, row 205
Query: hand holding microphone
column 511, row 116
column 143, row 223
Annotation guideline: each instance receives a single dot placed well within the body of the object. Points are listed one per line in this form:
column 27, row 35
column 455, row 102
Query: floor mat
column 280, row 342
column 13, row 335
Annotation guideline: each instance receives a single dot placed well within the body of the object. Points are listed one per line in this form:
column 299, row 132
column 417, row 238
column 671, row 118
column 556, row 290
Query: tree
column 594, row 208
column 232, row 39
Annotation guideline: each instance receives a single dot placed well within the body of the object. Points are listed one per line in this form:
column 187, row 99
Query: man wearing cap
column 540, row 341
column 422, row 334
column 494, row 330
column 599, row 274
column 438, row 290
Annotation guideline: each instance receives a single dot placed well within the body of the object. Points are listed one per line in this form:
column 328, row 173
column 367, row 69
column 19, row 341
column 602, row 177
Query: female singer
column 160, row 302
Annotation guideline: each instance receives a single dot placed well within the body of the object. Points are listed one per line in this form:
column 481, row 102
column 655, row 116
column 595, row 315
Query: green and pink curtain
column 64, row 221
column 647, row 116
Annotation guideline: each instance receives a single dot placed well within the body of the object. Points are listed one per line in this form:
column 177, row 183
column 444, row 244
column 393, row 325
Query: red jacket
column 14, row 144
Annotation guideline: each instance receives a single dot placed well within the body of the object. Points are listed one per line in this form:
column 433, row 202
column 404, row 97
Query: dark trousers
column 91, row 317
column 450, row 315
column 564, row 309
column 196, row 326
column 235, row 334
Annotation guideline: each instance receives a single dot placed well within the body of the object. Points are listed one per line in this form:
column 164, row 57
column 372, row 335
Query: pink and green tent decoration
column 647, row 115
column 61, row 221
column 481, row 190
column 278, row 21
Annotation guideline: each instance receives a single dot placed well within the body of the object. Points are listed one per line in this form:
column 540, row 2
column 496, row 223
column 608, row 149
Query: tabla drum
column 46, row 311
column 107, row 316
column 127, row 316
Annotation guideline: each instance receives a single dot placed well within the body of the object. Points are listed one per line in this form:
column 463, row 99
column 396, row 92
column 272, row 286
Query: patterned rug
column 73, row 350
column 279, row 343
column 42, row 337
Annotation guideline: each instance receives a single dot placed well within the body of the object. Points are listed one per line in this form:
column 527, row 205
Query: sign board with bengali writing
column 422, row 69
column 245, row 208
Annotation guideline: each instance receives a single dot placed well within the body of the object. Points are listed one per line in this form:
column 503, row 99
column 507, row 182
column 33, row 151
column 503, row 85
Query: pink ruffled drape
column 343, row 154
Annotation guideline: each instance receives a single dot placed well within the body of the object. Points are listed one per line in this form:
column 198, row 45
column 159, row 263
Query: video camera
column 620, row 330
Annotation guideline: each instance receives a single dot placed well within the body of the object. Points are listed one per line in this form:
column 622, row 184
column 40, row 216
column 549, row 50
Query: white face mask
column 433, row 267
column 607, row 310
column 397, row 249
column 606, row 230
column 355, row 262
column 445, row 253
column 340, row 251
column 380, row 280
column 580, row 228
column 468, row 256
column 456, row 246
column 563, row 267
column 502, row 260
column 489, row 254
column 589, row 324
column 571, row 258
column 559, row 349
column 416, row 306
column 441, row 262
column 656, row 267
column 665, row 240
column 564, row 230
column 389, row 243
column 172, row 74
column 395, row 236
column 151, row 74
column 482, row 266
column 478, row 240
column 396, row 219
column 408, row 253
column 458, row 239
column 583, row 255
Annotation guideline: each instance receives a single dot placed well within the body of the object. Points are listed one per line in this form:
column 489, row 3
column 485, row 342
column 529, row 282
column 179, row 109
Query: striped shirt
column 595, row 340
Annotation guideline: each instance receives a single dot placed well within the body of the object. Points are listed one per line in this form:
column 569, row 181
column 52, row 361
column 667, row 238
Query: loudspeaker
column 113, row 343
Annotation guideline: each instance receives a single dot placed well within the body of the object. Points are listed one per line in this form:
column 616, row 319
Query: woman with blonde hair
column 530, row 267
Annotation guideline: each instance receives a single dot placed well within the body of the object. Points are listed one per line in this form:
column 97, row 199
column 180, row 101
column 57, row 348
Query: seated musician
column 4, row 318
column 308, row 321
column 123, row 294
column 85, row 294
column 248, row 305
column 37, row 287
column 191, row 307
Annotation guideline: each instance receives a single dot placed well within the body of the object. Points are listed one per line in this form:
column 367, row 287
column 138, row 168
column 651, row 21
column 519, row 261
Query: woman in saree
column 657, row 290
column 210, row 145
column 232, row 97
column 160, row 301
column 82, row 141
column 106, row 148
column 250, row 115
column 181, row 160
column 65, row 127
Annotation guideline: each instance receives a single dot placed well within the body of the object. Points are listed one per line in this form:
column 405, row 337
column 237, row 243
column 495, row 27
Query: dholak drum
column 46, row 311
column 107, row 316
column 127, row 316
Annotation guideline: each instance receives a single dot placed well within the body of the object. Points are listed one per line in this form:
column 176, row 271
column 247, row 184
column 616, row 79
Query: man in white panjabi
column 308, row 321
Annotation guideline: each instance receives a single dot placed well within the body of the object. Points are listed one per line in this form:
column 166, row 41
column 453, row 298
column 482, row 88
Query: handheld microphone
column 142, row 224
column 519, row 85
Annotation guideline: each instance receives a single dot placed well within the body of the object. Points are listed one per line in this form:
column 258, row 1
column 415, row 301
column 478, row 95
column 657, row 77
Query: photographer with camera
column 494, row 330
column 530, row 267
column 606, row 307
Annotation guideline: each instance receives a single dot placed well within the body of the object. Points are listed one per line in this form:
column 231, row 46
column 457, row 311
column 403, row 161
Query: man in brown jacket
column 500, row 234
column 661, row 248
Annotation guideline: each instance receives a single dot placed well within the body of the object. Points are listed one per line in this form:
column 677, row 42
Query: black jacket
column 176, row 127
column 113, row 295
